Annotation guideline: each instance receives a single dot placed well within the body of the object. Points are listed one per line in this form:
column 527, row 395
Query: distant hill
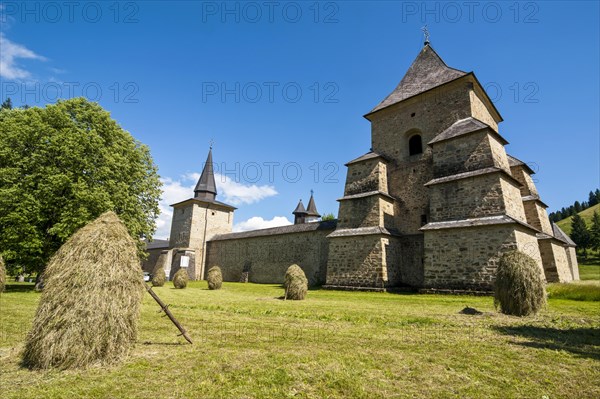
column 587, row 214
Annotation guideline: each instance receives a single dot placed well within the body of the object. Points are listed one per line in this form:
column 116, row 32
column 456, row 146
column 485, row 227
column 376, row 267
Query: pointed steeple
column 299, row 213
column 311, row 210
column 206, row 189
column 427, row 71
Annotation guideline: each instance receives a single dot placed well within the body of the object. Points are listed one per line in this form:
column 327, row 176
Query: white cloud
column 256, row 222
column 229, row 191
column 235, row 193
column 9, row 54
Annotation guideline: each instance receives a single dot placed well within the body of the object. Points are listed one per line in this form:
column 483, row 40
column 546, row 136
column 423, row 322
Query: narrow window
column 423, row 220
column 414, row 145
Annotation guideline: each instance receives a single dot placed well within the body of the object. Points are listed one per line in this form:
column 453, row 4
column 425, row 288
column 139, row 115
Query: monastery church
column 432, row 205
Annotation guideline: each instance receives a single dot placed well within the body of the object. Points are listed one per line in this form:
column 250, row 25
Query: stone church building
column 433, row 204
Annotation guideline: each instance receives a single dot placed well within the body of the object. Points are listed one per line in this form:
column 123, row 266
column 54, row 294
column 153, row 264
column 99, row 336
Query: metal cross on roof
column 311, row 192
column 426, row 34
column 211, row 143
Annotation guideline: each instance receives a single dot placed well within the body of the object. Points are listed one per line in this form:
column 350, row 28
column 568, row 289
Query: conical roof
column 312, row 208
column 206, row 188
column 299, row 209
column 427, row 71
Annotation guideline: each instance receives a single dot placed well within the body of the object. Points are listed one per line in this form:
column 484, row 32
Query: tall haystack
column 89, row 308
column 214, row 277
column 2, row 274
column 180, row 279
column 295, row 283
column 158, row 274
column 520, row 288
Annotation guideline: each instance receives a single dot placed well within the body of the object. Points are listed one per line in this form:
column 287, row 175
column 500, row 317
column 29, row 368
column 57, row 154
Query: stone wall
column 479, row 109
column 467, row 258
column 462, row 154
column 357, row 261
column 471, row 197
column 536, row 216
column 268, row 256
column 371, row 210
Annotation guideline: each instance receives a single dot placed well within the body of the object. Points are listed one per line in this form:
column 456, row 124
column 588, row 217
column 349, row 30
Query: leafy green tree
column 580, row 233
column 595, row 232
column 328, row 216
column 7, row 104
column 62, row 166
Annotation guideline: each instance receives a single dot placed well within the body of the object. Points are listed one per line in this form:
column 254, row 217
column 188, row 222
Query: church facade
column 433, row 204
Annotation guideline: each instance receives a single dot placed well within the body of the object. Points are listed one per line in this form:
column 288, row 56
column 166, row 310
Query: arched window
column 414, row 145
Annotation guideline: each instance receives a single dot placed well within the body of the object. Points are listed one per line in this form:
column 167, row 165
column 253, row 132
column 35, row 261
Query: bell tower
column 197, row 220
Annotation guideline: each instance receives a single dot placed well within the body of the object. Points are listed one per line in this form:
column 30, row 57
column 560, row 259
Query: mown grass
column 249, row 344
column 578, row 291
column 589, row 269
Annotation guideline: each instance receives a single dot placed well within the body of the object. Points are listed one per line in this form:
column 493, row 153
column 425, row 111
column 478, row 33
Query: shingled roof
column 206, row 188
column 512, row 161
column 562, row 236
column 462, row 127
column 311, row 210
column 300, row 209
column 427, row 71
column 328, row 225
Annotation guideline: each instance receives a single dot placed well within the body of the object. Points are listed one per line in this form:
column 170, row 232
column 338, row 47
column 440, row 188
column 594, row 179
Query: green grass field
column 249, row 344
column 565, row 224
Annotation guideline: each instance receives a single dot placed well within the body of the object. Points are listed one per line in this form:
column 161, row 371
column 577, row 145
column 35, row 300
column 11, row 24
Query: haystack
column 214, row 278
column 180, row 279
column 295, row 283
column 158, row 274
column 2, row 274
column 89, row 309
column 520, row 287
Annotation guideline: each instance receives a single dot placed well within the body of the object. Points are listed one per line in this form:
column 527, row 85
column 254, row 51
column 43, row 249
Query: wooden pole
column 165, row 308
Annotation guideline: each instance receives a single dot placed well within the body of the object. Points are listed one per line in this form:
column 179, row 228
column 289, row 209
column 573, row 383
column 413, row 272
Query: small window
column 423, row 220
column 414, row 145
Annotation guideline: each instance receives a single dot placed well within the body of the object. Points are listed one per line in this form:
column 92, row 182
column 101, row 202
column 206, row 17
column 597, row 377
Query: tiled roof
column 462, row 127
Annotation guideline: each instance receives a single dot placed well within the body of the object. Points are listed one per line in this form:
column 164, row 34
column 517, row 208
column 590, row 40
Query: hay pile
column 2, row 274
column 520, row 287
column 295, row 283
column 180, row 279
column 89, row 309
column 158, row 274
column 214, row 278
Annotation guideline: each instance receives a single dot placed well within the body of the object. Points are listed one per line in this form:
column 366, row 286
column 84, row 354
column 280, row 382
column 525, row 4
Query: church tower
column 434, row 203
column 195, row 221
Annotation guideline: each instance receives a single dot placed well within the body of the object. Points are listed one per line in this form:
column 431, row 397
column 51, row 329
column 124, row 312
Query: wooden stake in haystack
column 89, row 309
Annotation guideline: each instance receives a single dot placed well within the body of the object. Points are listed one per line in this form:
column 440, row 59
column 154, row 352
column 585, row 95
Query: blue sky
column 281, row 87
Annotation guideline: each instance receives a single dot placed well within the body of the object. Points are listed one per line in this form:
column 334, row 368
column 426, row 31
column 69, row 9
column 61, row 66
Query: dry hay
column 180, row 279
column 89, row 309
column 295, row 283
column 520, row 287
column 158, row 274
column 214, row 277
column 2, row 274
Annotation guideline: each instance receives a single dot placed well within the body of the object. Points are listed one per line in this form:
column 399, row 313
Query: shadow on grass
column 19, row 287
column 584, row 342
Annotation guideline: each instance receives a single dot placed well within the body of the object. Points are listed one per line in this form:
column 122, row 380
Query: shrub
column 158, row 274
column 89, row 309
column 214, row 278
column 180, row 279
column 2, row 274
column 520, row 287
column 295, row 283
